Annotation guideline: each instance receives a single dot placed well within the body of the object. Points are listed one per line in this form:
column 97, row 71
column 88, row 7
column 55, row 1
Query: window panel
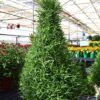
column 82, row 1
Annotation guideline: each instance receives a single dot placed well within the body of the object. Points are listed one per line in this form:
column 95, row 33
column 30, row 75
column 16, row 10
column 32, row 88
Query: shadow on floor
column 88, row 98
column 10, row 95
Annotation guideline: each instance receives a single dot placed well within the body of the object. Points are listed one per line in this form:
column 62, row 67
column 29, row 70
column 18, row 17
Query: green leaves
column 94, row 76
column 11, row 57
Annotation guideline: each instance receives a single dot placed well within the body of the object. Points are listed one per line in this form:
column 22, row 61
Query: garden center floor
column 14, row 95
column 10, row 95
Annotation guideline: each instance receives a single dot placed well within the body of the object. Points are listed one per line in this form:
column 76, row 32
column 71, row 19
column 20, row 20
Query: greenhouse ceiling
column 84, row 13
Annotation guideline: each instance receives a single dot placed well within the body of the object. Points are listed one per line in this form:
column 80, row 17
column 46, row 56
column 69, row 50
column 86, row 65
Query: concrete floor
column 10, row 95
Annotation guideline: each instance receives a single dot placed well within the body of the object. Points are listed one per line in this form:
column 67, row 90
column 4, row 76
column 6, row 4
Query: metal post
column 16, row 39
column 69, row 31
column 77, row 34
column 33, row 15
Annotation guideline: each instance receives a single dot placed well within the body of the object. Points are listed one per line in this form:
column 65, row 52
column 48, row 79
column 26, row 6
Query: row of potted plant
column 85, row 52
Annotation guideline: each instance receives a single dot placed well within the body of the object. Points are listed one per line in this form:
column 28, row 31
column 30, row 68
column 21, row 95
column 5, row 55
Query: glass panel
column 81, row 1
column 93, row 26
column 81, row 16
column 72, row 9
column 89, row 9
column 83, row 6
column 97, row 20
column 92, row 15
column 87, row 21
column 62, row 2
column 70, row 3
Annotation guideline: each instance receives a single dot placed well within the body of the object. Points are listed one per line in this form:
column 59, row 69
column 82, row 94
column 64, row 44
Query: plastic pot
column 92, row 55
column 77, row 54
column 85, row 55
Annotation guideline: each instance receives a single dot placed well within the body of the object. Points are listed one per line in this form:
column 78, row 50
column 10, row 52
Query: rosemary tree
column 49, row 73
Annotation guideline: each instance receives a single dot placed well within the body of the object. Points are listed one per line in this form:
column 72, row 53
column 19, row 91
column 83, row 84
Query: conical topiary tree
column 49, row 73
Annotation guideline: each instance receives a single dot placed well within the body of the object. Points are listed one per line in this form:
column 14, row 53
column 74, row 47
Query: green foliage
column 96, row 38
column 11, row 60
column 87, row 87
column 94, row 77
column 49, row 72
column 89, row 37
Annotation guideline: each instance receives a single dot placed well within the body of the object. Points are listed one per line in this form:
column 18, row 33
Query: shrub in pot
column 49, row 72
column 11, row 62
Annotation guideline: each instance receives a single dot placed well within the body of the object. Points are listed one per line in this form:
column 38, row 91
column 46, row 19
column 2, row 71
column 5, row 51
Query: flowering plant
column 86, row 52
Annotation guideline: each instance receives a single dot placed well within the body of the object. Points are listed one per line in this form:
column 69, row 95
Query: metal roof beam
column 69, row 17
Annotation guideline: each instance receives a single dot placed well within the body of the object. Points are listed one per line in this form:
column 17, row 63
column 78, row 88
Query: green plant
column 89, row 37
column 49, row 72
column 96, row 38
column 11, row 60
column 94, row 77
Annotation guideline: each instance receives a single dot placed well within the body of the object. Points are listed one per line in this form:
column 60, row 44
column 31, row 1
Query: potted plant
column 92, row 54
column 49, row 73
column 11, row 62
column 86, row 54
column 77, row 54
